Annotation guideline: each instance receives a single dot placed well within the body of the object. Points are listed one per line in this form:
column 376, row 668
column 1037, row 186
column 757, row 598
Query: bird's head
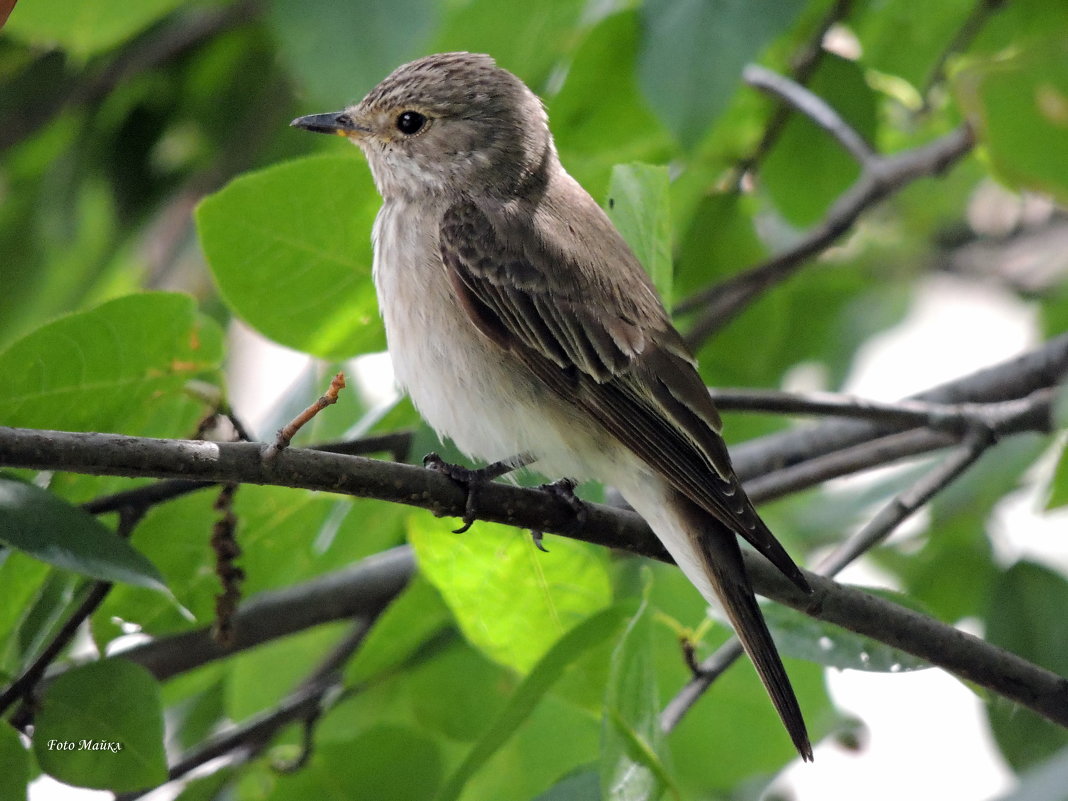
column 450, row 123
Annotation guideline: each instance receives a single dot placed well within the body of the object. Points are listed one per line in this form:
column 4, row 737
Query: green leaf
column 807, row 156
column 16, row 765
column 525, row 38
column 1026, row 617
column 1058, row 495
column 101, row 726
column 510, row 600
column 290, row 248
column 385, row 762
column 311, row 34
column 22, row 578
column 599, row 117
column 104, row 369
column 410, row 620
column 1019, row 104
column 84, row 29
column 631, row 767
column 803, row 637
column 259, row 678
column 40, row 524
column 718, row 242
column 694, row 51
column 638, row 204
column 927, row 28
column 582, row 786
column 459, row 692
column 538, row 681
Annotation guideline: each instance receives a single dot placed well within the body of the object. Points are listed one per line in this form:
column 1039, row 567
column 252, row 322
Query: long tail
column 710, row 556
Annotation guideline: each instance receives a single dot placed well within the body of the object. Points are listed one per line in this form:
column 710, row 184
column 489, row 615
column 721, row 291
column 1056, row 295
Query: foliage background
column 151, row 194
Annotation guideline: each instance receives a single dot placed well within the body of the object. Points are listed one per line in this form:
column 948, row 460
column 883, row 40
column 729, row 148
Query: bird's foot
column 469, row 480
column 564, row 490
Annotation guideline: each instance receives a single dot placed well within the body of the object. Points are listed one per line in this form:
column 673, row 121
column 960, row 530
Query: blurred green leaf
column 86, row 28
column 409, row 622
column 510, row 600
column 316, row 37
column 1017, row 25
column 631, row 766
column 385, row 762
column 581, row 786
column 807, row 169
column 104, row 370
column 693, row 52
column 290, row 248
column 101, row 725
column 638, row 205
column 525, row 38
column 927, row 28
column 38, row 523
column 259, row 678
column 1026, row 617
column 537, row 682
column 1058, row 495
column 16, row 762
column 720, row 240
column 957, row 535
column 599, row 123
column 460, row 692
column 1019, row 104
column 21, row 577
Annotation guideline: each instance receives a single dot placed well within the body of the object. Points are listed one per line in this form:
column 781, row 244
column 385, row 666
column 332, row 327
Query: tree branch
column 345, row 594
column 242, row 462
column 880, row 177
column 360, row 591
column 1039, row 369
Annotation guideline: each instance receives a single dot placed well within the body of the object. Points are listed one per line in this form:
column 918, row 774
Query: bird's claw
column 564, row 489
column 469, row 480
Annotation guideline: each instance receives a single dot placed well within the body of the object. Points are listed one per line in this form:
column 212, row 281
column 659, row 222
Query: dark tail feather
column 723, row 562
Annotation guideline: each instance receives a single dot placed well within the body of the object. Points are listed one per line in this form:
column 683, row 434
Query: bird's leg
column 470, row 479
column 564, row 490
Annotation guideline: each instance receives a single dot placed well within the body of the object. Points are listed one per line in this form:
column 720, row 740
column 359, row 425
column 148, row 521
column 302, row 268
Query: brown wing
column 631, row 373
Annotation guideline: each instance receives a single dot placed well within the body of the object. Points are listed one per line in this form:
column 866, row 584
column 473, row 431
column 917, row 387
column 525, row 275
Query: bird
column 524, row 328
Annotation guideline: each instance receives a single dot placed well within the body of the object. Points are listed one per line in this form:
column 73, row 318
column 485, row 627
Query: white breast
column 463, row 384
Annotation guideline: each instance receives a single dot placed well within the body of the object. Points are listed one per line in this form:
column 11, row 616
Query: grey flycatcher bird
column 520, row 322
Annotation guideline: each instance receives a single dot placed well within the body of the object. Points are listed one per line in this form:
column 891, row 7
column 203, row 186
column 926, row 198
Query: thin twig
column 290, row 429
column 880, row 177
column 802, row 67
column 1034, row 371
column 949, row 417
column 327, row 676
column 908, row 502
column 812, row 106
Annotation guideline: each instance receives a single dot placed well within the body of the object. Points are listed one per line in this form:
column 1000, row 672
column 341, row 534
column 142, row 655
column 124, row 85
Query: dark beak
column 335, row 122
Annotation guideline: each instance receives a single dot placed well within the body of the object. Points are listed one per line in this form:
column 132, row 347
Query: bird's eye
column 410, row 122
